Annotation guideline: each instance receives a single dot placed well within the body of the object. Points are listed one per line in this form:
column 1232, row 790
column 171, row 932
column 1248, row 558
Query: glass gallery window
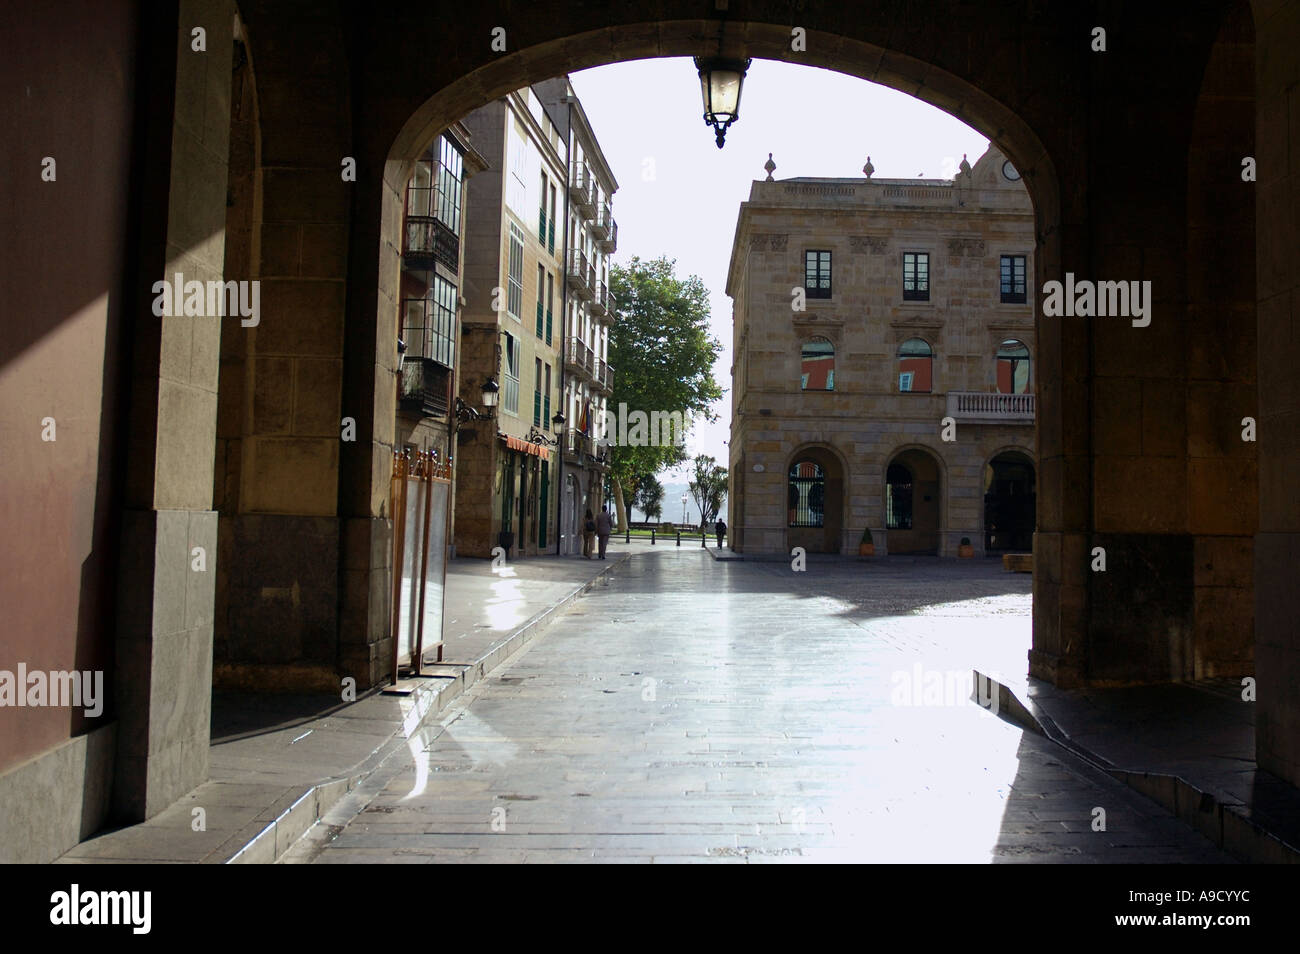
column 817, row 365
column 915, row 366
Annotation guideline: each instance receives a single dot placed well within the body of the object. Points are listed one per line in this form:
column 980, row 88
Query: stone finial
column 965, row 166
column 868, row 169
column 770, row 166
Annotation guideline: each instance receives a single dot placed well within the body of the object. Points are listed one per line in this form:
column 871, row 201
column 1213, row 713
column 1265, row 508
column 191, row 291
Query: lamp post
column 721, row 80
column 684, row 499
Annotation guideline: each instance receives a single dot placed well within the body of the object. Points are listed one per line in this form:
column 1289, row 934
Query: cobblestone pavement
column 693, row 710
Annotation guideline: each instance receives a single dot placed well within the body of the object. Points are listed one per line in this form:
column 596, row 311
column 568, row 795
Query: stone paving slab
column 1190, row 747
column 278, row 763
column 736, row 711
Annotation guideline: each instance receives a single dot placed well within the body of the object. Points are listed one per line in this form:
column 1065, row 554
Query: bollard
column 627, row 537
column 679, row 538
column 652, row 536
column 701, row 538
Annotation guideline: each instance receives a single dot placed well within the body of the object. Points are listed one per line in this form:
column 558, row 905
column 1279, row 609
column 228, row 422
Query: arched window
column 817, row 365
column 898, row 498
column 1013, row 367
column 915, row 363
column 806, row 497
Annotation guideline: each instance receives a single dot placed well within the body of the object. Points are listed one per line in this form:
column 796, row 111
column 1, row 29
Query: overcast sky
column 679, row 195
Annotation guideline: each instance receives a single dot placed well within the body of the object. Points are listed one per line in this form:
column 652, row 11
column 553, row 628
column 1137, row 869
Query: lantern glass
column 721, row 91
column 490, row 391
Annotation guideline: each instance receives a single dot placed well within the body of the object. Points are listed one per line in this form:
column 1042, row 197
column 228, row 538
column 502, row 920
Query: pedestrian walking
column 588, row 535
column 604, row 526
column 720, row 529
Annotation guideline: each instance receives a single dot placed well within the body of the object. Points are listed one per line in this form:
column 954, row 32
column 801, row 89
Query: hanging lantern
column 721, row 79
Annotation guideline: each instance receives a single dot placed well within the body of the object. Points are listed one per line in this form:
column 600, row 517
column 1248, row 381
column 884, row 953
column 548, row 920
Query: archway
column 1010, row 503
column 815, row 481
column 913, row 502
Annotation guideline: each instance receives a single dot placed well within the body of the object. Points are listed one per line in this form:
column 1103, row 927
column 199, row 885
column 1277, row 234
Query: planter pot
column 866, row 549
column 966, row 550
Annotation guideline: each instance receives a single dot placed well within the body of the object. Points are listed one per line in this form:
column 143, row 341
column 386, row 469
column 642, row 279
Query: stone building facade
column 884, row 354
column 591, row 236
column 432, row 264
column 512, row 330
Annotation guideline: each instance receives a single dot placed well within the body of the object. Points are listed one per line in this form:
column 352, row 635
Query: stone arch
column 929, row 468
column 1019, row 543
column 830, row 536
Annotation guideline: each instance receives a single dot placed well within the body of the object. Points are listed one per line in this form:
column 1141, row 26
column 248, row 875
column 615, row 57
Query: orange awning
column 525, row 447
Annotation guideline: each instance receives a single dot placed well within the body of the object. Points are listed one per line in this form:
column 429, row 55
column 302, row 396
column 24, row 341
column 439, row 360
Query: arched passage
column 814, row 495
column 1010, row 499
column 914, row 502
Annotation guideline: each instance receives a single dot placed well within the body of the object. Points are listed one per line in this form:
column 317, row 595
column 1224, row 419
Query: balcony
column 428, row 240
column 600, row 223
column 579, row 357
column 980, row 407
column 584, row 449
column 603, row 373
column 604, row 229
column 583, row 192
column 581, row 275
column 598, row 298
column 424, row 387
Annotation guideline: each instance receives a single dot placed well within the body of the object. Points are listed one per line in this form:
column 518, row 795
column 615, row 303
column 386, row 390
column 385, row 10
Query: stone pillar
column 165, row 601
column 1277, row 545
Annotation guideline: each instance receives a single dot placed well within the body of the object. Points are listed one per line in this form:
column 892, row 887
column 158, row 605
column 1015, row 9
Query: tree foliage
column 649, row 496
column 708, row 486
column 663, row 357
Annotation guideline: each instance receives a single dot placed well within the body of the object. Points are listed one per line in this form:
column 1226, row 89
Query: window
column 537, row 392
column 916, row 276
column 898, row 498
column 550, row 226
column 420, row 191
column 515, row 291
column 541, row 215
column 541, row 309
column 451, row 176
column 915, row 363
column 433, row 201
column 817, row 273
column 546, row 399
column 1013, row 279
column 1013, row 367
column 817, row 365
column 550, row 299
column 806, row 497
column 429, row 324
column 510, row 393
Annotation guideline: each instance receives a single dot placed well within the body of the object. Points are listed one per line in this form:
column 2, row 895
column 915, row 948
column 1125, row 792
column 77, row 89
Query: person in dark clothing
column 588, row 535
column 604, row 526
column 720, row 529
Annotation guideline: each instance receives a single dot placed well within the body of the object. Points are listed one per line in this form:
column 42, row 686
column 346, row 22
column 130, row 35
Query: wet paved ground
column 691, row 710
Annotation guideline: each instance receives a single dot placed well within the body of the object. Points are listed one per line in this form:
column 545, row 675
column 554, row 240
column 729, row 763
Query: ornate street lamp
column 466, row 412
column 721, row 79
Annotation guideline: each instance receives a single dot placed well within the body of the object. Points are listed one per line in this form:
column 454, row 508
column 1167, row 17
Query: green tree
column 649, row 496
column 663, row 357
column 708, row 486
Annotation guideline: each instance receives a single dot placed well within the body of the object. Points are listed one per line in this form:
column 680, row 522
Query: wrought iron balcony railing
column 428, row 240
column 425, row 387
